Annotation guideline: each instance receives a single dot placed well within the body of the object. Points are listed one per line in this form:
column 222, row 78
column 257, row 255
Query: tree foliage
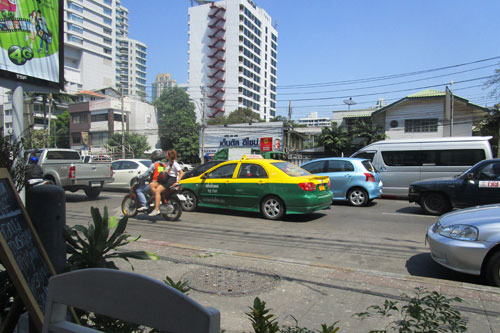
column 494, row 84
column 490, row 126
column 12, row 159
column 36, row 139
column 239, row 116
column 62, row 130
column 138, row 143
column 339, row 140
column 177, row 124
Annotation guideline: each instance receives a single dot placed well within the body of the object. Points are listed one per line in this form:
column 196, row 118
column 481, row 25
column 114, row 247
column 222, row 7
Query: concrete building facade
column 98, row 52
column 232, row 58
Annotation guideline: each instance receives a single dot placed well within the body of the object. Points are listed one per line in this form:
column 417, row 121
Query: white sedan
column 124, row 171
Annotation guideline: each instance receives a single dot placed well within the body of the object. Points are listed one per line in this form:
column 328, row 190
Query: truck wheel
column 435, row 203
column 92, row 193
column 492, row 271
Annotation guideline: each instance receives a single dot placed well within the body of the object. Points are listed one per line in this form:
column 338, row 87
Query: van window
column 401, row 158
column 365, row 154
column 433, row 157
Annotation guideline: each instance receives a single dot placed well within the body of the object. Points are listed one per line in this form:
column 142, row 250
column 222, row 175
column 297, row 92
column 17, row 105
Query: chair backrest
column 126, row 296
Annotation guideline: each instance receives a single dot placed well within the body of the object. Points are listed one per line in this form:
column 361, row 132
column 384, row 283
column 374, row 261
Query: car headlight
column 459, row 231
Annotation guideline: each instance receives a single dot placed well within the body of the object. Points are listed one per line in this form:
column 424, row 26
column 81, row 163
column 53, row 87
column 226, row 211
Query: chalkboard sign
column 21, row 251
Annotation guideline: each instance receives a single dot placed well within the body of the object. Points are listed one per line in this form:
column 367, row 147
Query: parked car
column 201, row 169
column 124, row 172
column 65, row 168
column 404, row 161
column 186, row 167
column 468, row 241
column 352, row 179
column 272, row 187
column 480, row 185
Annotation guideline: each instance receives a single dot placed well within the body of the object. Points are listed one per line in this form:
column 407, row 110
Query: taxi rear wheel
column 191, row 202
column 272, row 208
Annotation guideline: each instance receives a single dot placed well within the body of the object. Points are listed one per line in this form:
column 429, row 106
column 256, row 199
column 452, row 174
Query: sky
column 333, row 50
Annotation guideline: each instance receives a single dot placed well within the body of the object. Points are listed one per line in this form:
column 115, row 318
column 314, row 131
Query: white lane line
column 402, row 214
column 107, row 194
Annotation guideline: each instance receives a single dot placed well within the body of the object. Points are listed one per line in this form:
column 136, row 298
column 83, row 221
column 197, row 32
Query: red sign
column 266, row 144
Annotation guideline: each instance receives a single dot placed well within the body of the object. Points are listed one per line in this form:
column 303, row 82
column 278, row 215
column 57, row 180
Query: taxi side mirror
column 470, row 176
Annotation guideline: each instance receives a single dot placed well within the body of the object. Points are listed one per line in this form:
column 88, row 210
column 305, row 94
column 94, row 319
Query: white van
column 404, row 161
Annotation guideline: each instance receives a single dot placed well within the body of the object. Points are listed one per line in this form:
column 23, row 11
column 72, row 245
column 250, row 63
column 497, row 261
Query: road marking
column 403, row 214
column 107, row 194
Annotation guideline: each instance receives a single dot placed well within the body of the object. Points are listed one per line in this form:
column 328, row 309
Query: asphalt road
column 388, row 235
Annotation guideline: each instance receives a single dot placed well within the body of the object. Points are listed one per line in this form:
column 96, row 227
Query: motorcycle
column 170, row 206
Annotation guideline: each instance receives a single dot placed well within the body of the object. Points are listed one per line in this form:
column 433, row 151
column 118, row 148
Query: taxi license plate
column 321, row 187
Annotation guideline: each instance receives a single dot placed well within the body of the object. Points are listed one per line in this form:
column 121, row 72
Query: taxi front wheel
column 272, row 208
column 191, row 202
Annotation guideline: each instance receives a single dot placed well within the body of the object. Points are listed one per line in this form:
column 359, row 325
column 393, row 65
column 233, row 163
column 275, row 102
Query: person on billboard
column 32, row 29
column 43, row 32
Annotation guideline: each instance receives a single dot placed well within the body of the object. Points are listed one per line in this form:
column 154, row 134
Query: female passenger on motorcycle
column 156, row 156
column 174, row 173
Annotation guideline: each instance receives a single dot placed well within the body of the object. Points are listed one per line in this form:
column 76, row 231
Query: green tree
column 239, row 116
column 490, row 126
column 177, row 124
column 62, row 130
column 364, row 132
column 335, row 139
column 494, row 84
column 36, row 140
column 138, row 143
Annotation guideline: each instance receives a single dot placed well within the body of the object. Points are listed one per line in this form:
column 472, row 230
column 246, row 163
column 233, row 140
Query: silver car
column 468, row 241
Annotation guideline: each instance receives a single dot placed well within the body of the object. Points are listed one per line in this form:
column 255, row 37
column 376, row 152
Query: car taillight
column 308, row 186
column 72, row 172
column 369, row 177
column 111, row 167
column 329, row 184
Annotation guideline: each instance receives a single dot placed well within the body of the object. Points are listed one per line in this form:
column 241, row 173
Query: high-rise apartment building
column 163, row 82
column 98, row 52
column 233, row 50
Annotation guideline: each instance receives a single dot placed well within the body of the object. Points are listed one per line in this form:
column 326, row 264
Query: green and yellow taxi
column 254, row 184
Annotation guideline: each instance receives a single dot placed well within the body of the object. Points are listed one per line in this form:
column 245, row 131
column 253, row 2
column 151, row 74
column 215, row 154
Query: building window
column 76, row 119
column 421, row 125
column 106, row 11
column 76, row 138
column 75, row 28
column 99, row 117
column 75, row 7
column 74, row 17
column 108, row 2
column 99, row 138
column 106, row 20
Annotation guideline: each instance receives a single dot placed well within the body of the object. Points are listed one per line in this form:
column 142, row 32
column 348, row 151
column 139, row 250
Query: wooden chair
column 126, row 296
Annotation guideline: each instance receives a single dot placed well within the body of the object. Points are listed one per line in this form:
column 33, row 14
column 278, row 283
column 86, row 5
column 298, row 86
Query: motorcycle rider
column 156, row 156
column 174, row 172
column 33, row 170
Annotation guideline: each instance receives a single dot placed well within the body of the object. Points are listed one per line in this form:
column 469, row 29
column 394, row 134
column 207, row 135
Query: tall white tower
column 232, row 58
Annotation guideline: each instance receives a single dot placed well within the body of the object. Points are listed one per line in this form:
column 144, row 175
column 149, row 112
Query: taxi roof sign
column 252, row 157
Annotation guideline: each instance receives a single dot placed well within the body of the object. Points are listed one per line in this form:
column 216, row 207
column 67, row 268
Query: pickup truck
column 480, row 185
column 66, row 169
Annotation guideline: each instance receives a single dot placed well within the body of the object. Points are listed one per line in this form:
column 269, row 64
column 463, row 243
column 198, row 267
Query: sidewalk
column 311, row 292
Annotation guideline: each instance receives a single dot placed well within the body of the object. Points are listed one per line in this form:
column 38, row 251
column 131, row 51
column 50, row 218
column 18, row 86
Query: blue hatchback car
column 352, row 179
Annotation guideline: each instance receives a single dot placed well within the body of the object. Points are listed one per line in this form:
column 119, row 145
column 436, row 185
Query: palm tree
column 335, row 140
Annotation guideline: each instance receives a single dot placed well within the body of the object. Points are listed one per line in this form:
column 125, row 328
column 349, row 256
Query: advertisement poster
column 266, row 144
column 30, row 43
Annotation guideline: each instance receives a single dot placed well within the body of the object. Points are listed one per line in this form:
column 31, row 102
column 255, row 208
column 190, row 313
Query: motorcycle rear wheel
column 129, row 206
column 176, row 212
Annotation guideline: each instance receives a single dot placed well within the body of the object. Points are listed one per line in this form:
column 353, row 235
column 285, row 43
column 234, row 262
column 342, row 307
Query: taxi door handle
column 260, row 182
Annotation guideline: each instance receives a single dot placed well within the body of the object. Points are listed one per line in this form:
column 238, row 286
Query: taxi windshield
column 291, row 169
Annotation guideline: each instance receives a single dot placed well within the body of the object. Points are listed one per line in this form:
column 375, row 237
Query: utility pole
column 50, row 115
column 203, row 126
column 288, row 127
column 451, row 110
column 123, row 123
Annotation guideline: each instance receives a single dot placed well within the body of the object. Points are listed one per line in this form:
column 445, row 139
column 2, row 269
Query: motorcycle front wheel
column 176, row 211
column 129, row 206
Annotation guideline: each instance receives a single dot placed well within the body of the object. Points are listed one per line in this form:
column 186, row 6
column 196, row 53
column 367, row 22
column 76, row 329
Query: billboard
column 31, row 42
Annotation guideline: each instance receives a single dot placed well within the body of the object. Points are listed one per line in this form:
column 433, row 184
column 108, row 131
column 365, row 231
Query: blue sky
column 325, row 46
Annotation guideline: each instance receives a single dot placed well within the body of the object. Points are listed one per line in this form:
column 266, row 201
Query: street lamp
column 203, row 125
